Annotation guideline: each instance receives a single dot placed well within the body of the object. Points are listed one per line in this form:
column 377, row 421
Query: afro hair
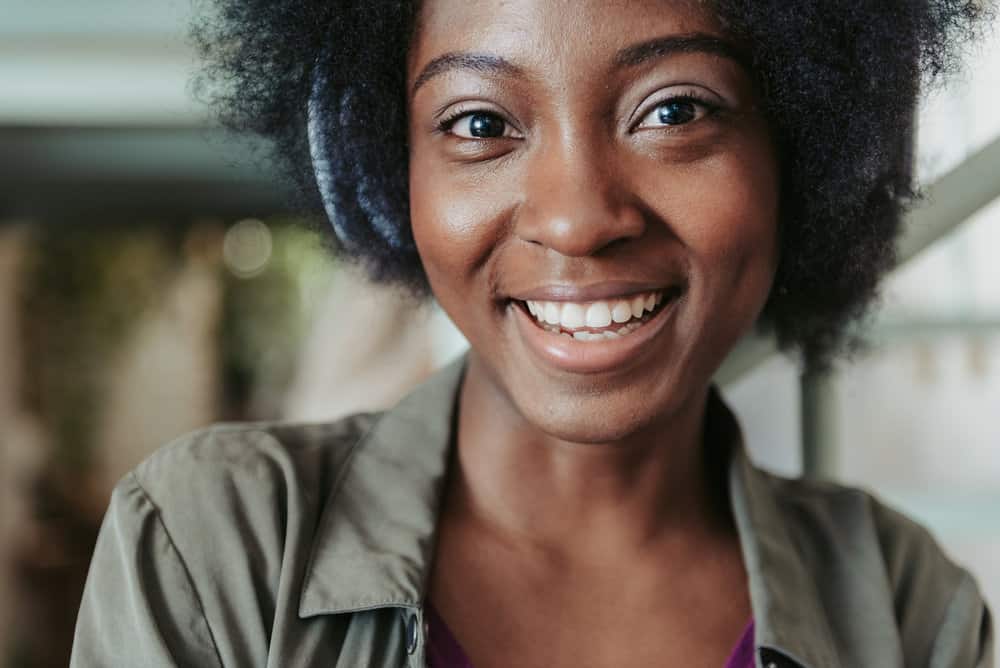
column 839, row 82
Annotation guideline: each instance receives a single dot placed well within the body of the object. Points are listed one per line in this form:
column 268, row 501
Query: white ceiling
column 104, row 17
column 96, row 63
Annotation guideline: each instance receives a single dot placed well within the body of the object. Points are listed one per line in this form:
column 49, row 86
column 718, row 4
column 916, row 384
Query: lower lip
column 589, row 357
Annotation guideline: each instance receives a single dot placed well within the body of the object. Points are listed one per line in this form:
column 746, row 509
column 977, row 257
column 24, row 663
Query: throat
column 521, row 484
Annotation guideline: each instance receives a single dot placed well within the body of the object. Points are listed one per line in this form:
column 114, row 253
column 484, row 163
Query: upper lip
column 568, row 292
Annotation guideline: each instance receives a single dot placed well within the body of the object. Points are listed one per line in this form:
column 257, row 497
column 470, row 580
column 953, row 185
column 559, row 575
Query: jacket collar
column 788, row 615
column 375, row 540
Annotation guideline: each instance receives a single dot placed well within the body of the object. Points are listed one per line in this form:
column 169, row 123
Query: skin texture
column 578, row 527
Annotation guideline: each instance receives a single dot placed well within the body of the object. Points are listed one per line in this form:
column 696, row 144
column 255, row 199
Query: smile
column 599, row 336
column 598, row 320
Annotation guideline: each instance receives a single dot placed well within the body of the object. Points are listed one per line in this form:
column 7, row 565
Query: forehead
column 551, row 34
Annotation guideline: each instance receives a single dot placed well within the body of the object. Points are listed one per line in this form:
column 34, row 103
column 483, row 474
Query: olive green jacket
column 309, row 545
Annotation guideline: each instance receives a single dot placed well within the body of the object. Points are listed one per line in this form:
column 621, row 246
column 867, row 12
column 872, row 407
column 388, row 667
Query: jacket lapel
column 790, row 624
column 374, row 543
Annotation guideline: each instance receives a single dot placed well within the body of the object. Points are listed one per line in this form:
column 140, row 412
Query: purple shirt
column 443, row 651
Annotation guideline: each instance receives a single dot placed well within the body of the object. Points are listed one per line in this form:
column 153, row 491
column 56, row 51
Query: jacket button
column 412, row 634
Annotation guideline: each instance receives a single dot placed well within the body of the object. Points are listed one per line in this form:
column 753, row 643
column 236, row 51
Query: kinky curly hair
column 838, row 82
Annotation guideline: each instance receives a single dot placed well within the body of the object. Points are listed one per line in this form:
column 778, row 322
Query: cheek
column 456, row 226
column 732, row 232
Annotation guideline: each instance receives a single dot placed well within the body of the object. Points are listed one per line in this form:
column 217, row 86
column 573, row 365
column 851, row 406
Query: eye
column 675, row 111
column 478, row 125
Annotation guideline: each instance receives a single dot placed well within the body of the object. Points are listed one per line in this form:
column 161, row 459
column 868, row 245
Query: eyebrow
column 638, row 54
column 632, row 56
column 484, row 63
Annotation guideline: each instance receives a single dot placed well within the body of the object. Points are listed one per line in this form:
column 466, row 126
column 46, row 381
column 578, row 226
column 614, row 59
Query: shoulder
column 232, row 511
column 239, row 460
column 261, row 474
column 853, row 516
column 242, row 499
column 204, row 544
column 863, row 552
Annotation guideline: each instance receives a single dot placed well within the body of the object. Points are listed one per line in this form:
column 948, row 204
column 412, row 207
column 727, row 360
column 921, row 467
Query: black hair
column 839, row 81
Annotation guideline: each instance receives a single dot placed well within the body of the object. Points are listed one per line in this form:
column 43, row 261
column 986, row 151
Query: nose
column 576, row 203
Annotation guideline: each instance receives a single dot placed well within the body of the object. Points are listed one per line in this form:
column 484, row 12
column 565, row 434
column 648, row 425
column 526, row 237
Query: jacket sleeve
column 965, row 639
column 140, row 606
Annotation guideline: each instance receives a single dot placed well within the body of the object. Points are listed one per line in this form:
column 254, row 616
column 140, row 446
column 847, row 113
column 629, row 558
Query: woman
column 604, row 196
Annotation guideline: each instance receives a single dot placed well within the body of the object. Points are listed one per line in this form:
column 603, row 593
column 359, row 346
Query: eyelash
column 448, row 122
column 445, row 124
column 710, row 107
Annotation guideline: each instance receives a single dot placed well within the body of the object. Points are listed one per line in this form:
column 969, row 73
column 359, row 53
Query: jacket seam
column 184, row 567
column 368, row 606
column 946, row 614
column 331, row 498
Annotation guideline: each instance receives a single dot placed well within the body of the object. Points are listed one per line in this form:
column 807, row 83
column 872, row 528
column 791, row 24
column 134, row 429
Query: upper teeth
column 595, row 315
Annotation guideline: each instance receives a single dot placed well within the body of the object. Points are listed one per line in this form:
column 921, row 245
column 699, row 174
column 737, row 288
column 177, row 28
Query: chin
column 594, row 419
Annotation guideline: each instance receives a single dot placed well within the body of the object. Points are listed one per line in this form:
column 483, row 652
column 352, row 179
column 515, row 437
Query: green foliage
column 264, row 321
column 84, row 290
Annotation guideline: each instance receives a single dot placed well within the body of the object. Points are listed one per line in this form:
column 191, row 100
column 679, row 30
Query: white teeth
column 557, row 317
column 598, row 315
column 552, row 313
column 622, row 312
column 629, row 328
column 573, row 316
column 638, row 305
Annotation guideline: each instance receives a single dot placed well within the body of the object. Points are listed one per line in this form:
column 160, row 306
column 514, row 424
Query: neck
column 592, row 501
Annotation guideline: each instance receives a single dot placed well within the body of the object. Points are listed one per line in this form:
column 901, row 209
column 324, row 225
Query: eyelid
column 710, row 102
column 446, row 119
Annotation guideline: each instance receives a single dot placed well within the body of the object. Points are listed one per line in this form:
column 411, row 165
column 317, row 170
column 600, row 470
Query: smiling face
column 594, row 198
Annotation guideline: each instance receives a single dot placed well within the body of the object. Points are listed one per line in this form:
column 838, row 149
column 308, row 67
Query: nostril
column 574, row 217
column 578, row 238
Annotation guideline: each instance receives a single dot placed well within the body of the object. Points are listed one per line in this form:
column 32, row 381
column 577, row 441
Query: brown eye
column 485, row 125
column 675, row 111
column 480, row 125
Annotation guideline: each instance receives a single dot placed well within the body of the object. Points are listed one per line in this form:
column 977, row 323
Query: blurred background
column 152, row 281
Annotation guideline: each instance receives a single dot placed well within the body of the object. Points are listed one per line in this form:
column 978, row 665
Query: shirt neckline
column 444, row 650
column 374, row 543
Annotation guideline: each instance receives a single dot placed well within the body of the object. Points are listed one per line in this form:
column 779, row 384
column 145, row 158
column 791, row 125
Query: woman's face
column 594, row 198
